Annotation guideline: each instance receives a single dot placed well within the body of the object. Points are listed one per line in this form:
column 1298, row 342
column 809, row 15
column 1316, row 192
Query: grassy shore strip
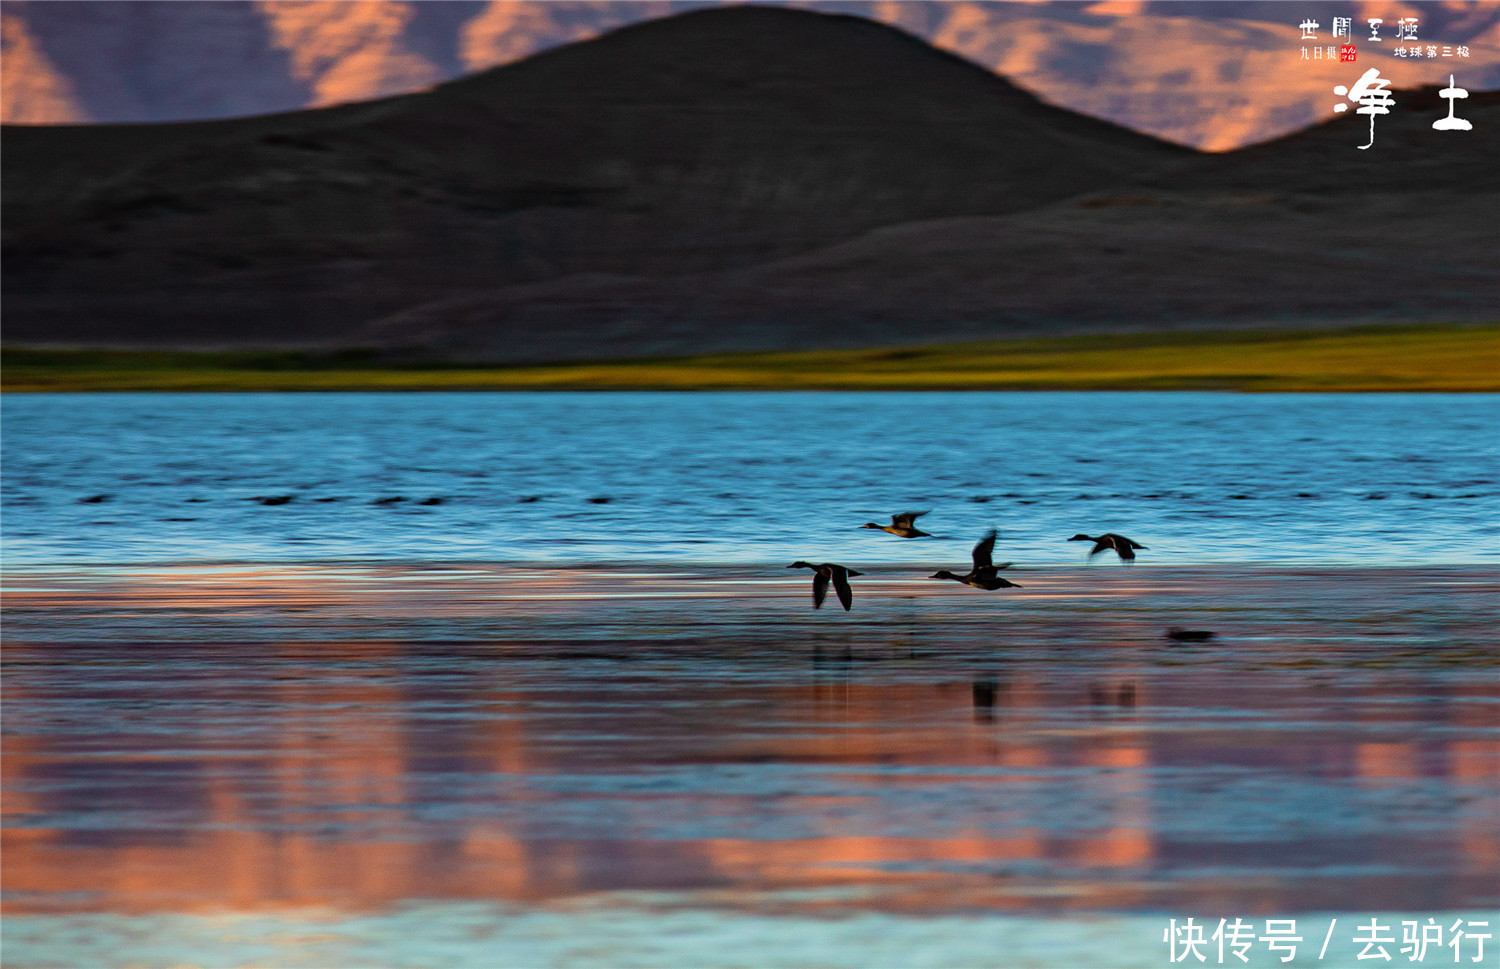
column 1413, row 358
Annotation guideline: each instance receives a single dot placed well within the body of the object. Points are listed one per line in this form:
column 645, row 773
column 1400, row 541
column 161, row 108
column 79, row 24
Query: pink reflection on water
column 931, row 764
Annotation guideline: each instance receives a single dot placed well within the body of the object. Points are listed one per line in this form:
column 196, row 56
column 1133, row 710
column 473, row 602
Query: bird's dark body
column 827, row 573
column 902, row 526
column 1122, row 546
column 985, row 574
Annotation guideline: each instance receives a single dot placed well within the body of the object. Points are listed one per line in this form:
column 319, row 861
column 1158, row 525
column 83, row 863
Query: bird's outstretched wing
column 820, row 588
column 1135, row 544
column 905, row 519
column 841, row 586
column 1100, row 546
column 983, row 550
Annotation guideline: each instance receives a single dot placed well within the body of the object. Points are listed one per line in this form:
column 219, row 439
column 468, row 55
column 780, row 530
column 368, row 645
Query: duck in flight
column 1123, row 546
column 825, row 573
column 902, row 526
column 985, row 574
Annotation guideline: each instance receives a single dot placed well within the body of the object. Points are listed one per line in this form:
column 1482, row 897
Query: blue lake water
column 749, row 477
column 444, row 752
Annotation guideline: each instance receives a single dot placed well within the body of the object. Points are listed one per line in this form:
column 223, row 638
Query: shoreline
column 1433, row 358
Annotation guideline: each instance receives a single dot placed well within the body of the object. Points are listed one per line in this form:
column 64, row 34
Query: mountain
column 730, row 178
column 710, row 140
column 1308, row 231
column 1215, row 75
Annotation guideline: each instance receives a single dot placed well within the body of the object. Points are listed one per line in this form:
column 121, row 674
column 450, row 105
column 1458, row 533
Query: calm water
column 748, row 477
column 341, row 729
column 501, row 767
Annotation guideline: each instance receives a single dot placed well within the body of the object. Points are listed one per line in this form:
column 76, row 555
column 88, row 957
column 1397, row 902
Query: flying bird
column 985, row 574
column 902, row 526
column 1123, row 546
column 825, row 573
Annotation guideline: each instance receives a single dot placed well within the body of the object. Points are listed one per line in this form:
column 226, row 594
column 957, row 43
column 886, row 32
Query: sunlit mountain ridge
column 1211, row 75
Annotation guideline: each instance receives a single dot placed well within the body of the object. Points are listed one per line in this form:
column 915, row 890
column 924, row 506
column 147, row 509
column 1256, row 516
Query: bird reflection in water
column 985, row 691
column 1103, row 695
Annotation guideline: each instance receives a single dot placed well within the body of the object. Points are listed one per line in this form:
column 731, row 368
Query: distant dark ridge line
column 588, row 202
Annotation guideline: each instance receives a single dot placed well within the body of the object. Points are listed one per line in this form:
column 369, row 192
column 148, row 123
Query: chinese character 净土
column 1371, row 94
column 1452, row 92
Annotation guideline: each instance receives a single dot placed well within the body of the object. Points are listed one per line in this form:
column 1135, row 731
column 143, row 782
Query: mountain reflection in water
column 202, row 743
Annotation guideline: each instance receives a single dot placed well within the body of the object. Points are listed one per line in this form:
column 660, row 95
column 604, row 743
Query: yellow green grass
column 1410, row 358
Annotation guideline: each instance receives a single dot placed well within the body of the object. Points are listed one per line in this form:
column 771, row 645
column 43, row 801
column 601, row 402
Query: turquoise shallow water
column 748, row 477
column 666, row 932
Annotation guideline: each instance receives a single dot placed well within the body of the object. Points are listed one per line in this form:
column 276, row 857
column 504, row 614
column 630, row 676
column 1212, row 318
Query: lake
column 562, row 704
column 717, row 478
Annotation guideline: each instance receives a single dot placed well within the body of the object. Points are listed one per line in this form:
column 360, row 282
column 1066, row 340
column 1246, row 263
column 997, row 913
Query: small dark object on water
column 822, row 575
column 1123, row 697
column 984, row 699
column 388, row 501
column 273, row 499
column 430, row 501
column 93, row 499
column 1189, row 635
column 600, row 501
column 528, row 499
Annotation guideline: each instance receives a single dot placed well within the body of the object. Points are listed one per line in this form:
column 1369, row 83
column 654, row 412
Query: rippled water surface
column 747, row 477
column 488, row 766
column 521, row 680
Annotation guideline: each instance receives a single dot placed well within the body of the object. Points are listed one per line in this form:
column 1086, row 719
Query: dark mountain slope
column 1304, row 231
column 701, row 143
column 1408, row 155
